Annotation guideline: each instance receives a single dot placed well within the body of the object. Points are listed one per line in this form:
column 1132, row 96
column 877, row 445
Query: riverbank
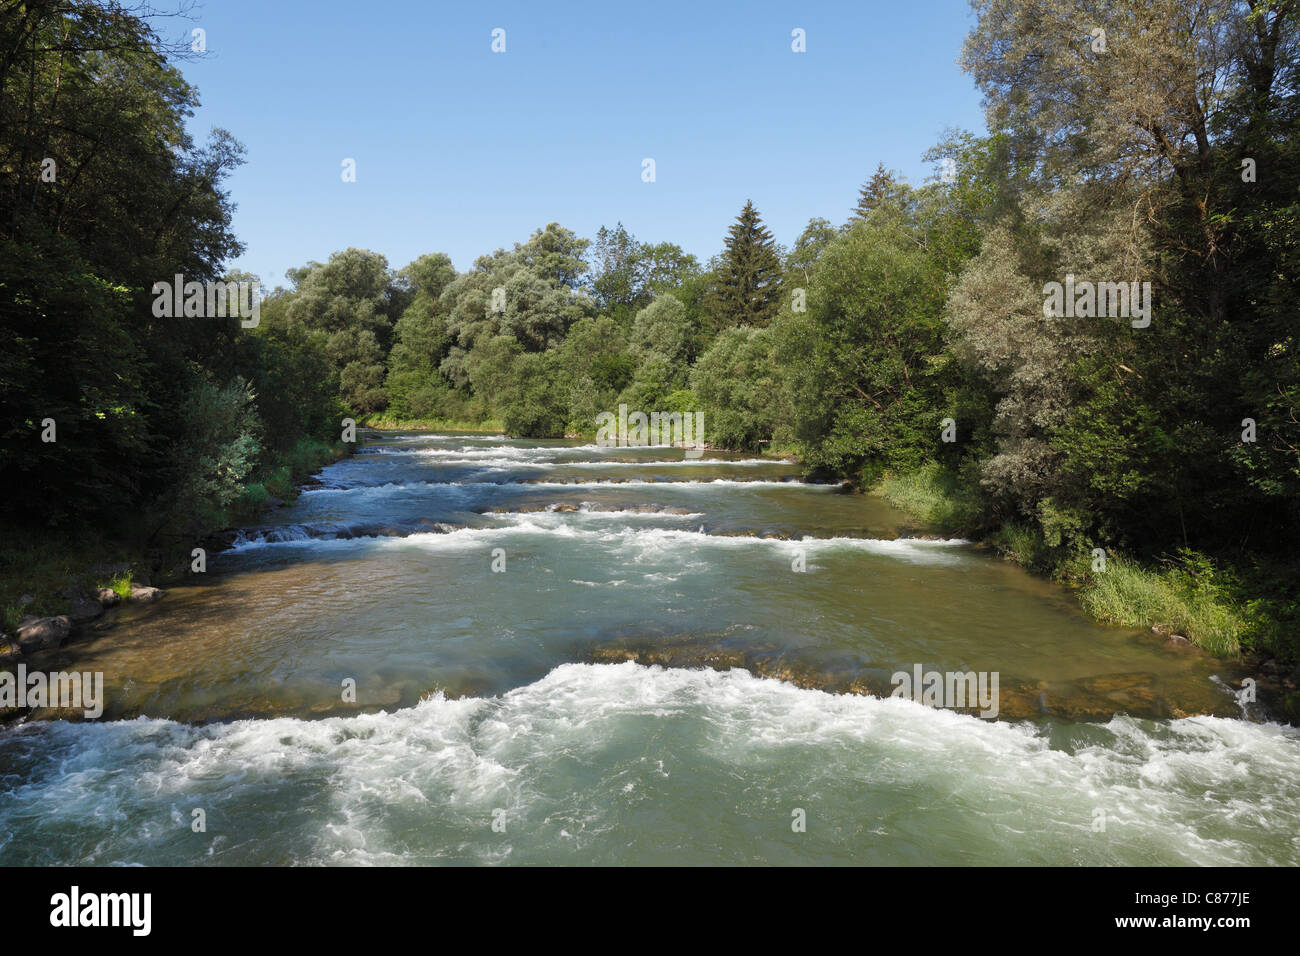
column 1243, row 609
column 71, row 580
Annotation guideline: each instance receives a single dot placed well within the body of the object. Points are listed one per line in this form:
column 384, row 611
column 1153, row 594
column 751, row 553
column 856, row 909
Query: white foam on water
column 504, row 453
column 566, row 759
column 636, row 543
column 394, row 488
column 246, row 538
column 462, row 488
column 657, row 541
column 589, row 511
column 596, row 509
column 493, row 462
column 424, row 437
column 669, row 463
column 555, row 457
column 497, row 450
column 701, row 484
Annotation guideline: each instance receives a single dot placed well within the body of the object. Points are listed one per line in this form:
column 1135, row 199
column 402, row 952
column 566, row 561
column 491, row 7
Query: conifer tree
column 747, row 291
column 874, row 191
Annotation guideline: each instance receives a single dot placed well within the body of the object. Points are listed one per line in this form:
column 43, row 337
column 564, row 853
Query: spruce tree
column 874, row 191
column 747, row 291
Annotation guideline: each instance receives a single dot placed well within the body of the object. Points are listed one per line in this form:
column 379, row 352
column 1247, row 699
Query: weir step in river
column 463, row 648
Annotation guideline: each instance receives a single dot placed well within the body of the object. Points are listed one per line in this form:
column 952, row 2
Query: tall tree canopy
column 747, row 289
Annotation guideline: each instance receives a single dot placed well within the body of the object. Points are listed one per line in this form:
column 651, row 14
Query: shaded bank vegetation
column 906, row 348
column 162, row 429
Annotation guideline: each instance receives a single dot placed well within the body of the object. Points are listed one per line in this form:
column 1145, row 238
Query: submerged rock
column 1110, row 683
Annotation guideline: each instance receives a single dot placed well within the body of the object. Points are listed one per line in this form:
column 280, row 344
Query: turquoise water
column 523, row 715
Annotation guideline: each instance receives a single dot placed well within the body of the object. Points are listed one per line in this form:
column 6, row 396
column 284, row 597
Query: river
column 564, row 653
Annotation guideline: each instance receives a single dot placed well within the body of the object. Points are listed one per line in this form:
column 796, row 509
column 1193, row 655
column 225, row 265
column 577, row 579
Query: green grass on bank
column 1225, row 608
column 780, row 451
column 119, row 583
column 935, row 496
column 1175, row 600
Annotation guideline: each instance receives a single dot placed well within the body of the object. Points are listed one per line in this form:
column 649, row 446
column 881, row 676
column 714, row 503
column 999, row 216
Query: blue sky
column 462, row 150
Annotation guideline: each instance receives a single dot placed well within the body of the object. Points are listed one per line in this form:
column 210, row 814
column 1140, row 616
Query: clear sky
column 462, row 150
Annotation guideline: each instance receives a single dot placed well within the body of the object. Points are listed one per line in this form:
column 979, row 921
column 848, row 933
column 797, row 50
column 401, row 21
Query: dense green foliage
column 910, row 344
column 117, row 423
